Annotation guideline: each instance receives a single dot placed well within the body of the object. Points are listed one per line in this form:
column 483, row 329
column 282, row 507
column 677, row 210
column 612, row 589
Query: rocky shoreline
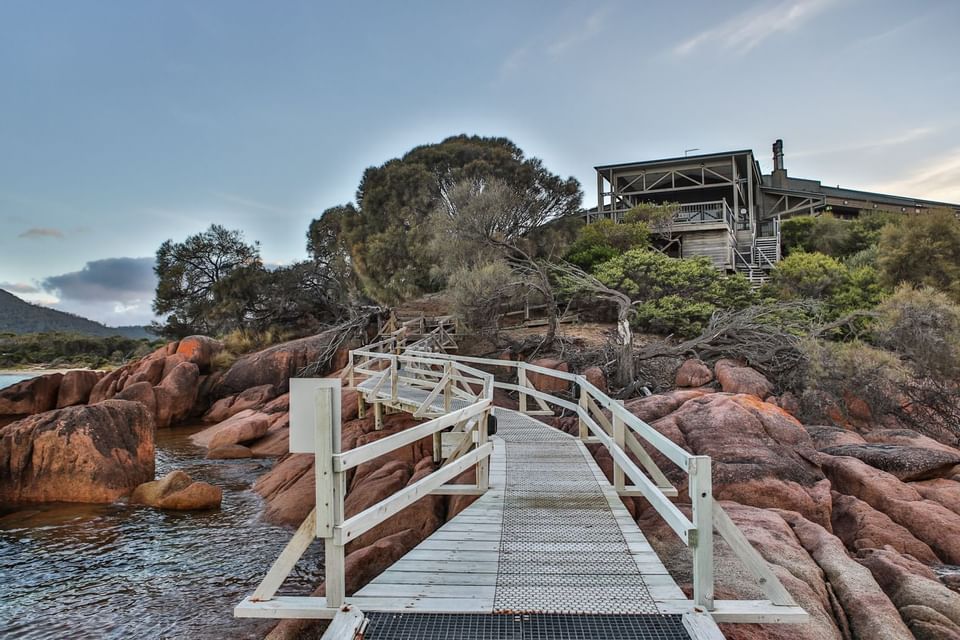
column 859, row 521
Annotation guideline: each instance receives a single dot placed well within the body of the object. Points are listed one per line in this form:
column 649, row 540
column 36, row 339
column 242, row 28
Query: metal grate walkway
column 549, row 551
column 561, row 549
column 433, row 626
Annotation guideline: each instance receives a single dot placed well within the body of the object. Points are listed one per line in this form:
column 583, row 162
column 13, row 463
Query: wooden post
column 483, row 466
column 394, row 378
column 330, row 491
column 582, row 430
column 701, row 497
column 350, row 369
column 620, row 438
column 447, row 390
column 522, row 382
column 361, row 407
column 377, row 416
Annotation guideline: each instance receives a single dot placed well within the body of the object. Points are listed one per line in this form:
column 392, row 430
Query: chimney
column 778, row 155
column 779, row 176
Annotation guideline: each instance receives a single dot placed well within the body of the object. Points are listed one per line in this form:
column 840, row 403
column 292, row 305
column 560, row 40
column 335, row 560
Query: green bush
column 835, row 236
column 922, row 250
column 676, row 296
column 820, row 277
column 605, row 239
column 795, row 233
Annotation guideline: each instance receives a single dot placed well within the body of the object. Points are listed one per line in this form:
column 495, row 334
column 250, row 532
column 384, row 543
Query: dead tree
column 584, row 284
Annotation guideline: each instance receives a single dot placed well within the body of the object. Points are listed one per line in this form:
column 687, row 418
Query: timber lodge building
column 728, row 210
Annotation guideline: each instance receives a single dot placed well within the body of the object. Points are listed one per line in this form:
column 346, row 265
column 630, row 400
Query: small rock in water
column 229, row 452
column 177, row 491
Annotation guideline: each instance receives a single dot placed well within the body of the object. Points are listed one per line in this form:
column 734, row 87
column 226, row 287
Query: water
column 7, row 379
column 114, row 571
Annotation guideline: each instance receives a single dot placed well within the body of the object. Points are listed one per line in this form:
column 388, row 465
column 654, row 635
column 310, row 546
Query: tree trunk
column 625, row 372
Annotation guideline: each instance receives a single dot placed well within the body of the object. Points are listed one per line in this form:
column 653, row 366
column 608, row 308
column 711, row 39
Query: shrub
column 795, row 233
column 477, row 294
column 922, row 250
column 676, row 296
column 857, row 370
column 923, row 326
column 821, row 277
column 606, row 239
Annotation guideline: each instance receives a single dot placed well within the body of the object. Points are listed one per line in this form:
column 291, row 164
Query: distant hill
column 18, row 316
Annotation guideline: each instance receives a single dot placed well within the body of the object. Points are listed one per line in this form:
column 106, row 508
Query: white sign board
column 313, row 402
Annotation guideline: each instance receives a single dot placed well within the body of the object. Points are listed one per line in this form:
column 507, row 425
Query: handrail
column 707, row 517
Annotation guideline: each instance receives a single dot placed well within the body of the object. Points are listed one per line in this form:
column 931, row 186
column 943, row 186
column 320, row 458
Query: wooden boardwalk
column 547, row 550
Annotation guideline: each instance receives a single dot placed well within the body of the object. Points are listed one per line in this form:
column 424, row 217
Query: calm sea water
column 114, row 571
column 7, row 379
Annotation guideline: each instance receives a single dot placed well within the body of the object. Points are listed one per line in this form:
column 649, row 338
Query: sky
column 124, row 124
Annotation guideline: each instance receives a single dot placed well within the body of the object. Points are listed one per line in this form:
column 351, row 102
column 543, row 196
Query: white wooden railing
column 606, row 421
column 438, row 380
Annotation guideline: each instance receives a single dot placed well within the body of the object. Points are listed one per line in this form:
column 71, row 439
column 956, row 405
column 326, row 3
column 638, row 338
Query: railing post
column 582, row 430
column 394, row 377
column 447, row 373
column 483, row 465
column 330, row 491
column 700, row 488
column 350, row 369
column 619, row 437
column 522, row 383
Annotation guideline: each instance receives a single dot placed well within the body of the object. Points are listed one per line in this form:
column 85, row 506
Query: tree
column 579, row 283
column 192, row 277
column 658, row 218
column 480, row 221
column 388, row 238
column 673, row 295
column 328, row 251
column 922, row 250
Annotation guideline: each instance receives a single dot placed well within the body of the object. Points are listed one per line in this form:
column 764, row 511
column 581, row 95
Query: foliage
column 923, row 326
column 191, row 277
column 477, row 294
column 70, row 349
column 658, row 218
column 821, row 277
column 674, row 296
column 835, row 236
column 922, row 250
column 856, row 369
column 866, row 229
column 606, row 239
column 389, row 236
column 795, row 233
column 213, row 283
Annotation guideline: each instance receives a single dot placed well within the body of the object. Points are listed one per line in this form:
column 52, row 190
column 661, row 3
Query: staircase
column 756, row 259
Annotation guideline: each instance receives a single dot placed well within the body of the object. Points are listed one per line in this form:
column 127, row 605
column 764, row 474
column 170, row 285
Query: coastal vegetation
column 61, row 350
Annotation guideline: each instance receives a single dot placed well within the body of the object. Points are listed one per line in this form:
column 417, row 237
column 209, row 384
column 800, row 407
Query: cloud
column 937, row 180
column 109, row 280
column 592, row 27
column 749, row 29
column 245, row 202
column 42, row 232
column 114, row 291
column 904, row 137
column 19, row 287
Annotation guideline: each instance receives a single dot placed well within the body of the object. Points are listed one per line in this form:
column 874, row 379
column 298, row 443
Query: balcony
column 690, row 216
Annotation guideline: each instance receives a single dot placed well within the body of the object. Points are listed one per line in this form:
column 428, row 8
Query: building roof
column 705, row 156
